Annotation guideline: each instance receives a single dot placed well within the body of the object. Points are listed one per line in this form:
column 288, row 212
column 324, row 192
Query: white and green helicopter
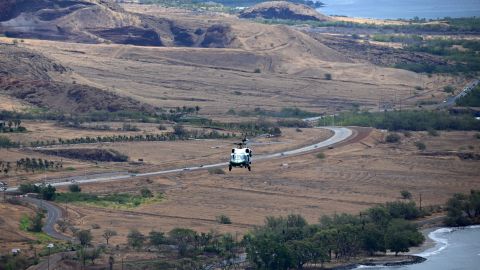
column 241, row 156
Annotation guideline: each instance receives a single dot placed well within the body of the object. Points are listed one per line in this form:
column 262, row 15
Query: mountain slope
column 29, row 76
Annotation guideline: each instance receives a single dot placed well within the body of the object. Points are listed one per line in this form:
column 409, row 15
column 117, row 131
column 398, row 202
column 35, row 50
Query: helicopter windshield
column 239, row 157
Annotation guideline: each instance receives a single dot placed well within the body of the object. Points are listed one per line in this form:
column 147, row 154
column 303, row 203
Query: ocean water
column 455, row 249
column 405, row 9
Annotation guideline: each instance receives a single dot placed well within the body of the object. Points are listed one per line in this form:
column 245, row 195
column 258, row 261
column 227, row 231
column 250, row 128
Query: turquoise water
column 405, row 9
column 455, row 249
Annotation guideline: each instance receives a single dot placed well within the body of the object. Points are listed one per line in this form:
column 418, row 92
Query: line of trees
column 463, row 209
column 407, row 120
column 47, row 192
column 179, row 133
column 11, row 126
column 34, row 164
column 290, row 242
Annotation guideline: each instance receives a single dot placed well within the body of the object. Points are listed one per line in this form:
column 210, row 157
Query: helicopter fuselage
column 240, row 158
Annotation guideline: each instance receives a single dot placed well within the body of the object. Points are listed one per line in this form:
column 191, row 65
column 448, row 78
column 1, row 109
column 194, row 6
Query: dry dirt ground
column 351, row 178
column 10, row 234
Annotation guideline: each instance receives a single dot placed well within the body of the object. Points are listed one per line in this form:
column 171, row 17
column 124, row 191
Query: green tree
column 108, row 233
column 146, row 193
column 37, row 222
column 373, row 239
column 157, row 238
column 183, row 238
column 48, row 193
column 301, row 252
column 135, row 239
column 456, row 216
column 401, row 235
column 84, row 237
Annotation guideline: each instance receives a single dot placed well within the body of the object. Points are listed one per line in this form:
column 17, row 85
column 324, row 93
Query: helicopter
column 241, row 156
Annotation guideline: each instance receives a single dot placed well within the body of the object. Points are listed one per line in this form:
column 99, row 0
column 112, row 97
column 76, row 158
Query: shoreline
column 407, row 258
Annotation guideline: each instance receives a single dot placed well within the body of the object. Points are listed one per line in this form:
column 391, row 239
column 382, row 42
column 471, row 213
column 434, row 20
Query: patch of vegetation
column 116, row 200
column 179, row 133
column 96, row 154
column 33, row 223
column 216, row 171
column 12, row 126
column 46, row 192
column 392, row 138
column 14, row 262
column 463, row 210
column 328, row 76
column 433, row 132
column 33, row 164
column 449, row 89
column 320, row 155
column 337, row 237
column 74, row 188
column 420, row 146
column 406, row 195
column 397, row 38
column 448, row 25
column 465, row 60
column 224, row 219
column 472, row 99
column 7, row 143
column 288, row 112
column 408, row 120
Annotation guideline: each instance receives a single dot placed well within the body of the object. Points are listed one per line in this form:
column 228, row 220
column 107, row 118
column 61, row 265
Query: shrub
column 223, row 219
column 216, row 171
column 74, row 188
column 433, row 132
column 449, row 89
column 407, row 134
column 321, row 155
column 392, row 138
column 162, row 127
column 146, row 193
column 477, row 136
column 257, row 70
column 406, row 195
column 328, row 76
column 95, row 226
column 420, row 145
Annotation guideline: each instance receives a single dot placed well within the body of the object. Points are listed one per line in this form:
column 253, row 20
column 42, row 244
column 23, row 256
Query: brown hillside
column 29, row 76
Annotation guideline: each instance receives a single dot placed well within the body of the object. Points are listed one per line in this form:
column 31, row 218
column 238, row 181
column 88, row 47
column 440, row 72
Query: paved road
column 54, row 213
column 340, row 134
column 449, row 102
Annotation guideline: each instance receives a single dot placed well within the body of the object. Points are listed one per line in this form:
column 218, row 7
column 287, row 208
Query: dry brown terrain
column 351, row 178
column 271, row 67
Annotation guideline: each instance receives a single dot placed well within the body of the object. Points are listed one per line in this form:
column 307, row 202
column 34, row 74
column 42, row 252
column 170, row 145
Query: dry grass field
column 351, row 178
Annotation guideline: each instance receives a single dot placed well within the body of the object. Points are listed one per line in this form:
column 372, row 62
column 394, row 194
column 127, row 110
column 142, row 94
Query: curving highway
column 340, row 134
column 54, row 213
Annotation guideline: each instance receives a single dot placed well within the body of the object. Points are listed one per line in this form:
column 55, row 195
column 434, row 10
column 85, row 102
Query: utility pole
column 420, row 201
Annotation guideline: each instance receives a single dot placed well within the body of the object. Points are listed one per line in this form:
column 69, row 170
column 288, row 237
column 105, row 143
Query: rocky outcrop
column 283, row 10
